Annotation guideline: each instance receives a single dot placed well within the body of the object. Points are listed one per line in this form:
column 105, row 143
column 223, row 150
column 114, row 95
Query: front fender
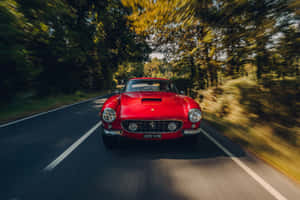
column 190, row 104
column 114, row 103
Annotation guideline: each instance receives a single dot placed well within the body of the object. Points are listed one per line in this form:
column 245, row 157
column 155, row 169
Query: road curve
column 84, row 169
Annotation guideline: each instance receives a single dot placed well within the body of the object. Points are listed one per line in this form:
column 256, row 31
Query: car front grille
column 151, row 126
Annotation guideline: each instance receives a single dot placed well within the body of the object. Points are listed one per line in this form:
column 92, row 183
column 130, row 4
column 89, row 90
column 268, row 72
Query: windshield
column 150, row 85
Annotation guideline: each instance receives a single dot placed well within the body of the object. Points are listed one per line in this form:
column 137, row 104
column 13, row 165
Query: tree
column 14, row 66
column 212, row 38
column 60, row 46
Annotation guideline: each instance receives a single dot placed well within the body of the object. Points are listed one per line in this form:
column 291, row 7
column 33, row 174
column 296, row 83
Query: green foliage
column 12, row 51
column 157, row 68
column 55, row 46
column 128, row 70
column 206, row 40
column 60, row 46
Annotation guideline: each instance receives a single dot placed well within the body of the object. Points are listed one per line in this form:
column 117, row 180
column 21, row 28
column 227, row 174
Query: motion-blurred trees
column 57, row 46
column 128, row 70
column 158, row 68
column 205, row 40
column 54, row 46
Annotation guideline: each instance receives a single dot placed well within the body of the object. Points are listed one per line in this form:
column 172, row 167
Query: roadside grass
column 24, row 106
column 263, row 118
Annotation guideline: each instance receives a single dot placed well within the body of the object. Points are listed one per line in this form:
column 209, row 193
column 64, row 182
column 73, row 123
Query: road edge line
column 249, row 171
column 69, row 150
column 46, row 112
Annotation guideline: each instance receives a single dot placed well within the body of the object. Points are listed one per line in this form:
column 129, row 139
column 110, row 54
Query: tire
column 110, row 142
column 191, row 140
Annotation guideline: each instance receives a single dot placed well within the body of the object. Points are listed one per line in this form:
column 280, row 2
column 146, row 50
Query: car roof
column 149, row 78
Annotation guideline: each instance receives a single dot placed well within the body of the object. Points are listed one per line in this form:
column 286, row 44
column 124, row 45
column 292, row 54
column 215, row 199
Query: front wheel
column 109, row 141
column 191, row 140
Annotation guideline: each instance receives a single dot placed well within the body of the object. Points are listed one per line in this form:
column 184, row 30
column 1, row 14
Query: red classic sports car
column 149, row 109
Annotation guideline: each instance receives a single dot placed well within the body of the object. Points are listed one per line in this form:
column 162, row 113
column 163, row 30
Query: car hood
column 152, row 105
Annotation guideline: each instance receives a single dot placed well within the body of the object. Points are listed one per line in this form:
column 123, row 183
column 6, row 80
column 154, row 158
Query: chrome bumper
column 119, row 132
column 112, row 132
column 191, row 131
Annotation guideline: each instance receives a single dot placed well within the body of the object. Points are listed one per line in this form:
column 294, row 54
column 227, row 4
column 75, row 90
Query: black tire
column 110, row 142
column 191, row 140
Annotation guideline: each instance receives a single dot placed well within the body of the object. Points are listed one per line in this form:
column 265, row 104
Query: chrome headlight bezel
column 109, row 115
column 195, row 115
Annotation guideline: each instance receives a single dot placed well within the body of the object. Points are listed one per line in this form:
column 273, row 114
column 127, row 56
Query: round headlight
column 133, row 126
column 109, row 115
column 195, row 115
column 172, row 126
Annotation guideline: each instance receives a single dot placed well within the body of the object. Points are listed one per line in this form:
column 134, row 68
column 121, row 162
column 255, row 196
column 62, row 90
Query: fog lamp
column 172, row 126
column 133, row 126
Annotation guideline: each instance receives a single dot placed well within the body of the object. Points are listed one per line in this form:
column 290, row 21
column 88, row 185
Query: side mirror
column 182, row 92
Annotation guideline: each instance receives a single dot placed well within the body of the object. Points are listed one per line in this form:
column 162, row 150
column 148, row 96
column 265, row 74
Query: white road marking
column 249, row 171
column 67, row 152
column 43, row 113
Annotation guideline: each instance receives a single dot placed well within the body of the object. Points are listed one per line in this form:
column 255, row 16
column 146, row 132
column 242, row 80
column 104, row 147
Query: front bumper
column 163, row 136
column 191, row 131
column 112, row 132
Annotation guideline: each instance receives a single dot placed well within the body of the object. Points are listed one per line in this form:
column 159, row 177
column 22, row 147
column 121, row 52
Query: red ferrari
column 149, row 109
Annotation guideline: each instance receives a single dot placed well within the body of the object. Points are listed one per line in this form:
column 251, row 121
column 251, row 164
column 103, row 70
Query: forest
column 60, row 46
column 206, row 40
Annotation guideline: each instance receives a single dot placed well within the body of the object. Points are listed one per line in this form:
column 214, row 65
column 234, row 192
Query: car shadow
column 171, row 149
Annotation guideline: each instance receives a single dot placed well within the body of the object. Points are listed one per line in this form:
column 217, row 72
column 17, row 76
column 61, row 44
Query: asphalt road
column 60, row 155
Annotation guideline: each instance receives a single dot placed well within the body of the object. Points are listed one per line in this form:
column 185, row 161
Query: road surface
column 60, row 155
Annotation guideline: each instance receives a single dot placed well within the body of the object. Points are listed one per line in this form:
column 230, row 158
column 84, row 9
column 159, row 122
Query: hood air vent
column 151, row 100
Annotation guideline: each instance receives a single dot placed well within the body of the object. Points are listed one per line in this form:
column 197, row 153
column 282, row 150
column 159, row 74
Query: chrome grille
column 151, row 126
